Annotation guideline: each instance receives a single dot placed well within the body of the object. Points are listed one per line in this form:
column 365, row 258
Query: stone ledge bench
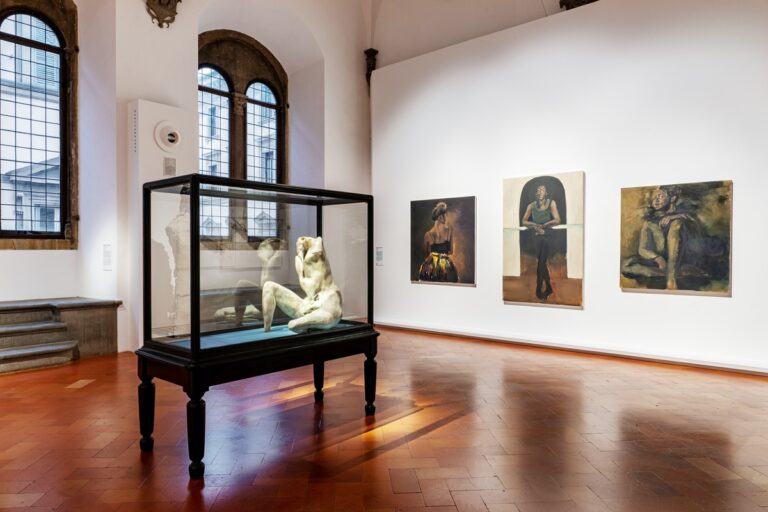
column 47, row 332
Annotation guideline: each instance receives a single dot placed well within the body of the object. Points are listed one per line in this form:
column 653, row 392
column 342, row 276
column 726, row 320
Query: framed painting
column 443, row 241
column 677, row 238
column 544, row 240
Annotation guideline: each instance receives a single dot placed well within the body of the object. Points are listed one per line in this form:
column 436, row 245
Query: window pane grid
column 261, row 161
column 261, row 92
column 30, row 129
column 29, row 27
column 213, row 115
column 212, row 79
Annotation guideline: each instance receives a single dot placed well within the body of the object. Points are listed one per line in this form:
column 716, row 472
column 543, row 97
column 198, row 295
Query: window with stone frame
column 38, row 140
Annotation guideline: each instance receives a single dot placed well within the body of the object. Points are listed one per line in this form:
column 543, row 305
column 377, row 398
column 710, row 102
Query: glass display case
column 244, row 278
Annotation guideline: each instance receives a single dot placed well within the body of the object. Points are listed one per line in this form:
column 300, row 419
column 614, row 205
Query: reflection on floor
column 461, row 425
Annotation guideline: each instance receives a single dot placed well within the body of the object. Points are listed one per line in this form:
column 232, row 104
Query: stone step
column 32, row 327
column 10, row 316
column 38, row 356
column 28, row 338
column 92, row 322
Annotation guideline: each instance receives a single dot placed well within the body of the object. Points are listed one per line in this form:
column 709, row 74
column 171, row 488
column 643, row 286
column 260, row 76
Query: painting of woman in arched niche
column 544, row 239
column 443, row 241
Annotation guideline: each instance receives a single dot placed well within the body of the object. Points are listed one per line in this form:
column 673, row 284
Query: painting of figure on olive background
column 443, row 241
column 677, row 238
column 544, row 240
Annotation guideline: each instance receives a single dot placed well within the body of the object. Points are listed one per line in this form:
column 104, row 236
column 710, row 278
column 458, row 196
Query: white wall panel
column 633, row 93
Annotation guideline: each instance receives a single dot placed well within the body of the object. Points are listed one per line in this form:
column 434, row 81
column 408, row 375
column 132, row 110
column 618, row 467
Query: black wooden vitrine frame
column 197, row 369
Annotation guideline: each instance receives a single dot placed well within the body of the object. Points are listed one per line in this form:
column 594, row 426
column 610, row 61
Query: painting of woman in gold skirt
column 443, row 241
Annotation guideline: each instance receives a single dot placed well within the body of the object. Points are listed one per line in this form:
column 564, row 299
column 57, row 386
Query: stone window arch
column 257, row 91
column 243, row 62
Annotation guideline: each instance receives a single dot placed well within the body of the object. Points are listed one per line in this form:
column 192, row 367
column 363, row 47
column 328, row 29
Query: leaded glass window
column 213, row 107
column 253, row 87
column 261, row 152
column 32, row 198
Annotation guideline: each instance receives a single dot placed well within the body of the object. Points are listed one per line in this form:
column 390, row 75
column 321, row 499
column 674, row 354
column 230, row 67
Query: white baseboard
column 737, row 366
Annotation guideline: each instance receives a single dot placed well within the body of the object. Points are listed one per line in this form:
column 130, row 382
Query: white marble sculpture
column 321, row 307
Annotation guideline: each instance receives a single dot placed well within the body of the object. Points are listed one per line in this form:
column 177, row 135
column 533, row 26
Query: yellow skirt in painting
column 438, row 267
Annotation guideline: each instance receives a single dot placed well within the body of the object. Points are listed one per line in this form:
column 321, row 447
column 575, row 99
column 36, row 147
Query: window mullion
column 29, row 42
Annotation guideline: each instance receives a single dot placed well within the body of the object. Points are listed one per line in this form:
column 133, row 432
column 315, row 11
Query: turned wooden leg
column 319, row 371
column 369, row 368
column 146, row 413
column 196, row 435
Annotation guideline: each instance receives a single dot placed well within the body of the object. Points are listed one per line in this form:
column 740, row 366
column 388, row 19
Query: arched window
column 36, row 170
column 245, row 75
column 213, row 108
column 213, row 105
column 261, row 146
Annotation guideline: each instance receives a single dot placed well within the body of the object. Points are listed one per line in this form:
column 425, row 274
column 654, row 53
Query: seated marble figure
column 320, row 308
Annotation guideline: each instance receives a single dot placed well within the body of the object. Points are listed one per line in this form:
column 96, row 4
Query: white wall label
column 107, row 257
column 379, row 256
column 169, row 166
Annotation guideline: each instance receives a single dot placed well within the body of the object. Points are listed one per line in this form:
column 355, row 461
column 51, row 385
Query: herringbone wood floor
column 461, row 425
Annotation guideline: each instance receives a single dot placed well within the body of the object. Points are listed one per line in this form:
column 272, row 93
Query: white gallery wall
column 98, row 151
column 632, row 93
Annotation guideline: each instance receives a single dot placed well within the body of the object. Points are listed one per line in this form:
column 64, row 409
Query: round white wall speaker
column 167, row 137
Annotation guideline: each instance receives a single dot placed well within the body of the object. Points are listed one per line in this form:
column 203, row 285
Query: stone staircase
column 32, row 335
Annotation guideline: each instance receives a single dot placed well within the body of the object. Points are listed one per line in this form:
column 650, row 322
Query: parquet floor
column 461, row 425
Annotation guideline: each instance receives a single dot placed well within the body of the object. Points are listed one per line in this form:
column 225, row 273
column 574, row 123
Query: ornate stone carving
column 163, row 12
column 240, row 101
